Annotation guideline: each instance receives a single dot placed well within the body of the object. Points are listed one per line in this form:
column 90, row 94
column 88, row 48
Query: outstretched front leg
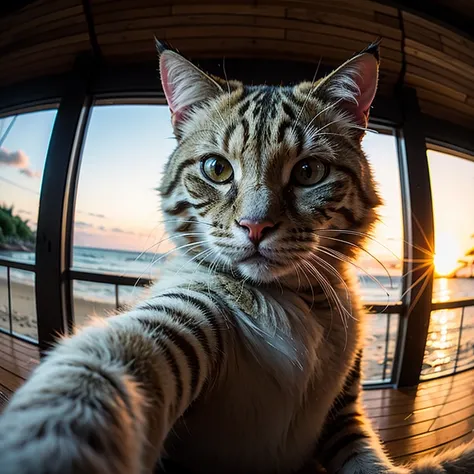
column 105, row 399
column 348, row 444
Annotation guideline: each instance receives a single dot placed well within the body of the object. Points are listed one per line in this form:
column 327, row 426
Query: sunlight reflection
column 442, row 343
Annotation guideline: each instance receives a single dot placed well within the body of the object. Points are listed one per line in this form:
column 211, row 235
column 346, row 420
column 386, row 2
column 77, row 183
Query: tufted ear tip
column 162, row 46
column 373, row 49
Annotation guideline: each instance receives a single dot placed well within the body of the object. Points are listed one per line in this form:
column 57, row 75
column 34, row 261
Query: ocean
column 381, row 289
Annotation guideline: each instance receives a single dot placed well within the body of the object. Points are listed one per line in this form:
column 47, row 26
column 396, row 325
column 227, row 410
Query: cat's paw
column 33, row 442
column 64, row 435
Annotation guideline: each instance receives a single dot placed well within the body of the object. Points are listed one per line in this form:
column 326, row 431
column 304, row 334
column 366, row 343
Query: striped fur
column 236, row 362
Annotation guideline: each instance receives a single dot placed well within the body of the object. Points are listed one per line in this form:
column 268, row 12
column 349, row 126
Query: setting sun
column 447, row 254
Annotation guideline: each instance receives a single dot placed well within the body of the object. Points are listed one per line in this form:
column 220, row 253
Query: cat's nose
column 256, row 229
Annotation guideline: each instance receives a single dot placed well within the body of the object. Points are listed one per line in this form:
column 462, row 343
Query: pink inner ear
column 177, row 114
column 165, row 83
column 366, row 81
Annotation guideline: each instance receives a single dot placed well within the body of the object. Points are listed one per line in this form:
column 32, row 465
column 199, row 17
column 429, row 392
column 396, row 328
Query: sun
column 447, row 254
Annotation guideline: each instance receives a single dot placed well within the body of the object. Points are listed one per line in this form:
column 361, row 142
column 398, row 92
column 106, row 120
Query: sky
column 127, row 146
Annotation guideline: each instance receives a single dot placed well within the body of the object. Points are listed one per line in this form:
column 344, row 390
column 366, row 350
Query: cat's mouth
column 259, row 267
column 256, row 257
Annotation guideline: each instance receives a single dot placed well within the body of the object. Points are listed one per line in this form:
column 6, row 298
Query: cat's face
column 263, row 178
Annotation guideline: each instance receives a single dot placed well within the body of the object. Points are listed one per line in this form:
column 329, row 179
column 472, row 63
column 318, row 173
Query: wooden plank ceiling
column 45, row 36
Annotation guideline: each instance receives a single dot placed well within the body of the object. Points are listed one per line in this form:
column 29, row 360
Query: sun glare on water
column 447, row 254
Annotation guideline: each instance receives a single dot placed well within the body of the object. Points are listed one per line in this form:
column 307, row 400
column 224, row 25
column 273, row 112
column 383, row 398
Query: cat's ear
column 354, row 84
column 183, row 83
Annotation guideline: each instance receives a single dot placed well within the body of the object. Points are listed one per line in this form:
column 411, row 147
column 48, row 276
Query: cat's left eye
column 217, row 169
column 309, row 172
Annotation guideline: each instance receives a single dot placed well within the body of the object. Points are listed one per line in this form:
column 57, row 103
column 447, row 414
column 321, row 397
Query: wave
column 87, row 255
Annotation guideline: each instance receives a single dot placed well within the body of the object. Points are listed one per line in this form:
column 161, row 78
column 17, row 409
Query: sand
column 24, row 308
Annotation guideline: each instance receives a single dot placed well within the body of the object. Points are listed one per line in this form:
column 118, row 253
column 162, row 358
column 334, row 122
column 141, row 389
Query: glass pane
column 24, row 141
column 381, row 280
column 128, row 295
column 466, row 346
column 24, row 303
column 379, row 346
column 452, row 184
column 442, row 343
column 92, row 299
column 118, row 225
column 4, row 321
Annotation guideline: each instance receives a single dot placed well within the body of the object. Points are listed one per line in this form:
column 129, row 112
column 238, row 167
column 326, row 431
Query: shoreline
column 17, row 247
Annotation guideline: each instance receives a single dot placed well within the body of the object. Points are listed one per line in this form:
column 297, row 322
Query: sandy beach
column 24, row 308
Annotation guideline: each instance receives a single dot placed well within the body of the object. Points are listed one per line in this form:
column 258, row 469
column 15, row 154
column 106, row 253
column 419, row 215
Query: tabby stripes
column 182, row 206
column 177, row 176
column 186, row 326
column 344, row 428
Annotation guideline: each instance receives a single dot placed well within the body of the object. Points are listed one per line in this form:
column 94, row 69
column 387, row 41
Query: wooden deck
column 412, row 423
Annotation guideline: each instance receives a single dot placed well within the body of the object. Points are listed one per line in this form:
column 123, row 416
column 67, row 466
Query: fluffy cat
column 246, row 357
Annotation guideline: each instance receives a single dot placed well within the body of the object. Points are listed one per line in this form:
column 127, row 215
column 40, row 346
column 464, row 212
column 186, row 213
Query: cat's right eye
column 217, row 169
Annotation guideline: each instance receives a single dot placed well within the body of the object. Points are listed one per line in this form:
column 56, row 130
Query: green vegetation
column 15, row 232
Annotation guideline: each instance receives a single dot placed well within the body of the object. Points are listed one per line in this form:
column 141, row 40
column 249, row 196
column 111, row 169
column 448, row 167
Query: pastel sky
column 126, row 148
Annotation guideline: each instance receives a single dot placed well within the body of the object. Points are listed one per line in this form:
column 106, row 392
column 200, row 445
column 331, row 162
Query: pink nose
column 256, row 228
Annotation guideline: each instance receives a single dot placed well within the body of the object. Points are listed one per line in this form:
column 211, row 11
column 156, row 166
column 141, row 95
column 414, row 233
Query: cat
column 246, row 356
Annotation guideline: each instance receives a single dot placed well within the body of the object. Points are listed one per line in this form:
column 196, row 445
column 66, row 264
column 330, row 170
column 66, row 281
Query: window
column 4, row 299
column 380, row 340
column 449, row 346
column 118, row 226
column 381, row 261
column 92, row 299
column 380, row 264
column 24, row 141
column 452, row 185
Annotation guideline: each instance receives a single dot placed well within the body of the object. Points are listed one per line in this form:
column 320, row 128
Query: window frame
column 12, row 264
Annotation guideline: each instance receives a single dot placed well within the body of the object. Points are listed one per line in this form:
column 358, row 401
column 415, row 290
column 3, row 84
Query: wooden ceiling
column 45, row 36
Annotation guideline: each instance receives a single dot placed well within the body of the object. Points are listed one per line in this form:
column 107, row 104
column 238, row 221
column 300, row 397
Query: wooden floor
column 412, row 423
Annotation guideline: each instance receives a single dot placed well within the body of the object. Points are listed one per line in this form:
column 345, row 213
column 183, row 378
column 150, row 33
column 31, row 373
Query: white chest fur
column 267, row 407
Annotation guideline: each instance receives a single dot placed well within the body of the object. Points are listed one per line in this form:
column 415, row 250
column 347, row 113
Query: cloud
column 101, row 227
column 120, row 231
column 30, row 173
column 92, row 214
column 22, row 211
column 83, row 224
column 18, row 159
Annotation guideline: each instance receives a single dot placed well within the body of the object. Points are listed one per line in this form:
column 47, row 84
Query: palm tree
column 467, row 261
column 469, row 258
column 13, row 229
column 470, row 255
